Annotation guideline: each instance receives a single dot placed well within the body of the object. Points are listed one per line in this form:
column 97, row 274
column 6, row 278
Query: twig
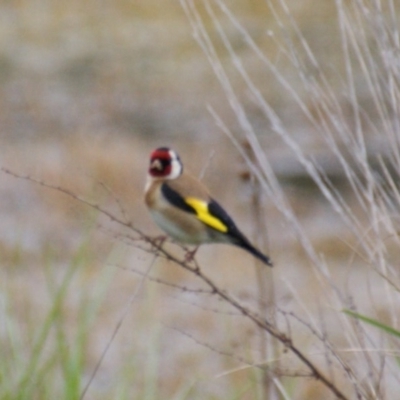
column 194, row 268
column 184, row 289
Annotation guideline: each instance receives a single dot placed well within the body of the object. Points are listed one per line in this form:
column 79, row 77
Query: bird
column 184, row 209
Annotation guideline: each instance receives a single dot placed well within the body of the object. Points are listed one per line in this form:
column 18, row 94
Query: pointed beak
column 156, row 164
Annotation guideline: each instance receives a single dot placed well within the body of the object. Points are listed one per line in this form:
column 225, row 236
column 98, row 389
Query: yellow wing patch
column 201, row 208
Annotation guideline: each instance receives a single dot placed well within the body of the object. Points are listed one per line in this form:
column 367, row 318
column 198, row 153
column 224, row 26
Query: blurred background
column 87, row 90
column 134, row 68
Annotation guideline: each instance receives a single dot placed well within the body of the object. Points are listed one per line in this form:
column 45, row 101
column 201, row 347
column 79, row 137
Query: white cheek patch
column 176, row 166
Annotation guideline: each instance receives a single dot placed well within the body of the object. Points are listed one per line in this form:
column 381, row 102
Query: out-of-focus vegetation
column 87, row 89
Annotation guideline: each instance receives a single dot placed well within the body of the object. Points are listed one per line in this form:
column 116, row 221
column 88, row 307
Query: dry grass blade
column 194, row 268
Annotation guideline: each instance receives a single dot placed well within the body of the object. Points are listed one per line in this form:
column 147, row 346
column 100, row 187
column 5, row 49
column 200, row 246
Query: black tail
column 246, row 245
column 236, row 237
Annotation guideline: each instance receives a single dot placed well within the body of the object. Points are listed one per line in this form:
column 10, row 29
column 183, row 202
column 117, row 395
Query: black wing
column 218, row 212
column 176, row 199
column 238, row 238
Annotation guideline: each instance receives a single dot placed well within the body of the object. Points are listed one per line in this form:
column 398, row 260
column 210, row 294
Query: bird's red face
column 165, row 163
column 160, row 162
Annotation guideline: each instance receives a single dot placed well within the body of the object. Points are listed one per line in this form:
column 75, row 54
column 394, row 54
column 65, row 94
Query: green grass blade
column 373, row 322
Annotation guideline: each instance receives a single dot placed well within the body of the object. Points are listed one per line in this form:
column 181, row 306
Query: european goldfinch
column 182, row 207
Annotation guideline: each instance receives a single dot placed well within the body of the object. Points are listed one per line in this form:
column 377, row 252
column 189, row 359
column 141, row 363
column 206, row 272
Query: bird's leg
column 189, row 256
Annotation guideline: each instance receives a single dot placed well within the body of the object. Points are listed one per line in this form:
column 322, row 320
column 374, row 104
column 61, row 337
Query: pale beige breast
column 181, row 225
